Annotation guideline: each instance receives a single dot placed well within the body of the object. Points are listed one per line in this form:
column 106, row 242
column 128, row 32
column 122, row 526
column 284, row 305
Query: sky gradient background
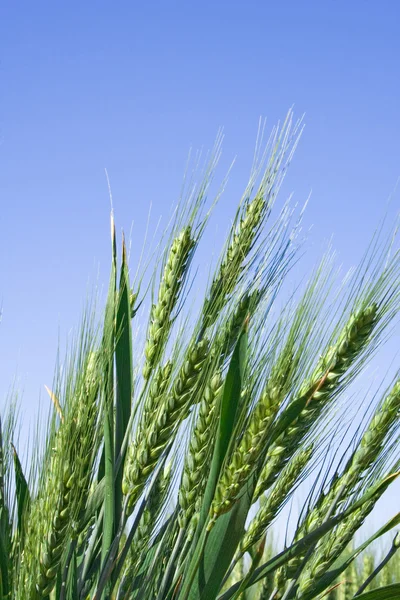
column 131, row 87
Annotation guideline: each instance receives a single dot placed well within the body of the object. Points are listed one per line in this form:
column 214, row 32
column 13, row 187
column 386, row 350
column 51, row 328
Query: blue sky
column 131, row 86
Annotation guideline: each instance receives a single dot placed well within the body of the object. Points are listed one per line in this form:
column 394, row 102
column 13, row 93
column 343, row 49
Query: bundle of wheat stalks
column 165, row 463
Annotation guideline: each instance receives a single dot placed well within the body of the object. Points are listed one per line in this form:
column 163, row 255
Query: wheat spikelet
column 152, row 510
column 154, row 402
column 41, row 560
column 353, row 581
column 143, row 454
column 265, row 591
column 373, row 439
column 75, row 483
column 350, row 583
column 170, row 286
column 385, row 576
column 84, row 435
column 157, row 390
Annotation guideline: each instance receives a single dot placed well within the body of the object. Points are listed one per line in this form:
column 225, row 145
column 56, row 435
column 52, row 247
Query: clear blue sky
column 131, row 86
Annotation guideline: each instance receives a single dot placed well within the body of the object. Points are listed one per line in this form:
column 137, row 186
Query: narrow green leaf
column 113, row 564
column 124, row 375
column 72, row 581
column 227, row 421
column 389, row 592
column 22, row 494
column 220, row 549
column 108, row 354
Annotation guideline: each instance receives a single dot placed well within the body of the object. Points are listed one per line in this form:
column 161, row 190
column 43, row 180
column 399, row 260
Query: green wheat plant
column 188, row 417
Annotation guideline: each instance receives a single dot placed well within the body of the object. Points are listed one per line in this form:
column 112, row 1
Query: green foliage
column 174, row 443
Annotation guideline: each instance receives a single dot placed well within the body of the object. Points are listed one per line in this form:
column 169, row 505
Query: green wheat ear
column 319, row 390
column 194, row 476
column 53, row 545
column 231, row 266
column 330, row 549
column 143, row 455
column 366, row 453
column 54, row 515
column 170, row 287
column 278, row 495
column 250, row 447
